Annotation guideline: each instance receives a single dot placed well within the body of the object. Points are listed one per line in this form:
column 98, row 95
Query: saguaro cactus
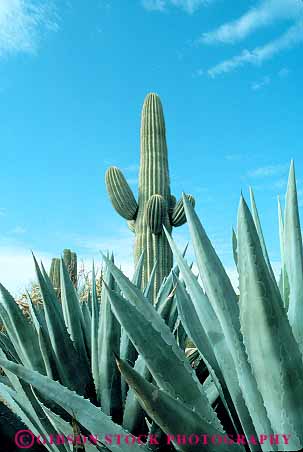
column 70, row 260
column 156, row 206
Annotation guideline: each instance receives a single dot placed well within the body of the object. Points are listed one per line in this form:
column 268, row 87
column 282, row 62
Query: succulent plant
column 70, row 260
column 89, row 335
column 156, row 207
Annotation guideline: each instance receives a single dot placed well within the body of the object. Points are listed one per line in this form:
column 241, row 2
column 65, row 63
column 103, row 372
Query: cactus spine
column 156, row 206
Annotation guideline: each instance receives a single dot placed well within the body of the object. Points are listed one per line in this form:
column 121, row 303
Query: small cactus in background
column 156, row 206
column 70, row 260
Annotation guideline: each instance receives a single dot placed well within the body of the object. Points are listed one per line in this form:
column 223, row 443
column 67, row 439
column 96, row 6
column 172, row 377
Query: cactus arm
column 156, row 211
column 120, row 193
column 178, row 216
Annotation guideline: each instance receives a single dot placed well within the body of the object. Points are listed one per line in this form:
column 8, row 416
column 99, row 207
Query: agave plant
column 72, row 345
column 244, row 340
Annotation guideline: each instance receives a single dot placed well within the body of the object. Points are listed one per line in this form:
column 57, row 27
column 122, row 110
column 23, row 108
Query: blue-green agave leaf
column 293, row 253
column 109, row 344
column 235, row 247
column 72, row 312
column 44, row 342
column 137, row 276
column 170, row 413
column 95, row 335
column 133, row 415
column 155, row 342
column 255, row 215
column 195, row 330
column 7, row 396
column 284, row 278
column 21, row 332
column 225, row 303
column 211, row 390
column 268, row 336
column 7, row 346
column 215, row 280
column 72, row 372
column 148, row 291
column 88, row 415
column 87, row 325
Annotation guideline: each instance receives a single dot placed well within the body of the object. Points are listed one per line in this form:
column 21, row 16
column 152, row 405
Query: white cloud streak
column 265, row 171
column 265, row 14
column 292, row 37
column 189, row 6
column 21, row 24
column 256, row 86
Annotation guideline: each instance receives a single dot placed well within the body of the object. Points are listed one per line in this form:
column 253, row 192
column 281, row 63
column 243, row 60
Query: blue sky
column 73, row 77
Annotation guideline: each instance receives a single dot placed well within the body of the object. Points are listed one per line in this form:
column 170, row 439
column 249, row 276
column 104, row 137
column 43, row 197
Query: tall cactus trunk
column 153, row 180
column 156, row 206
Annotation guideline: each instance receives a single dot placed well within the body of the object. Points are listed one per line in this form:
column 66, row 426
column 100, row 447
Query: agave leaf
column 148, row 291
column 72, row 372
column 237, row 374
column 60, row 426
column 108, row 345
column 181, row 335
column 87, row 414
column 215, row 280
column 284, row 278
column 72, row 311
column 87, row 325
column 257, row 222
column 65, row 428
column 6, row 396
column 147, row 327
column 224, row 300
column 164, row 305
column 269, row 336
column 34, row 409
column 7, row 346
column 171, row 414
column 133, row 415
column 95, row 338
column 127, row 349
column 44, row 343
column 209, row 351
column 293, row 253
column 137, row 276
column 210, row 389
column 234, row 243
column 166, row 289
column 173, row 313
column 20, row 332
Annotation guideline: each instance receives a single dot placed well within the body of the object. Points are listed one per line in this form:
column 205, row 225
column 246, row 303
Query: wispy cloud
column 17, row 269
column 22, row 22
column 270, row 170
column 293, row 36
column 266, row 13
column 18, row 230
column 2, row 211
column 189, row 6
column 154, row 5
column 284, row 72
column 256, row 86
